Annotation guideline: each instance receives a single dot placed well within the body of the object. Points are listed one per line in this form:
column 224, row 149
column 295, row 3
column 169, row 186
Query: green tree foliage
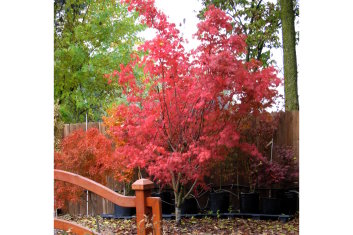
column 91, row 38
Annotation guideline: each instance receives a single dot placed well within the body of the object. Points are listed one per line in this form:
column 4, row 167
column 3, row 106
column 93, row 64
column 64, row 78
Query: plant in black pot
column 259, row 130
column 219, row 198
column 290, row 200
column 249, row 201
column 125, row 177
column 275, row 171
column 219, row 201
column 272, row 174
column 190, row 205
column 120, row 211
column 167, row 200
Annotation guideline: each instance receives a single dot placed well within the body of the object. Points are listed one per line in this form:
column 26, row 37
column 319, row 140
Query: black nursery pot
column 123, row 211
column 249, row 202
column 189, row 206
column 219, row 201
column 271, row 206
column 290, row 203
column 167, row 202
column 59, row 211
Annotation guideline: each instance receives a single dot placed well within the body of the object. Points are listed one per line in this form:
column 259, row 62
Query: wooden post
column 142, row 189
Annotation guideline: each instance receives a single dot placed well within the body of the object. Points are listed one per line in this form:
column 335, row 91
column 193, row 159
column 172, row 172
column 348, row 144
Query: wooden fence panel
column 288, row 131
column 102, row 206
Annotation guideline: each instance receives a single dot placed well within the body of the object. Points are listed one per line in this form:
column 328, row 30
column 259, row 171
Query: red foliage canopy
column 283, row 169
column 184, row 112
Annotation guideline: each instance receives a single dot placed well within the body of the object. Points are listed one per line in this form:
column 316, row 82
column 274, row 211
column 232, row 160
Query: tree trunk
column 178, row 201
column 179, row 196
column 177, row 215
column 289, row 55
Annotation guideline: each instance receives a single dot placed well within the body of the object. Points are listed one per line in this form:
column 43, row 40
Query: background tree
column 58, row 127
column 289, row 55
column 257, row 19
column 90, row 39
column 261, row 21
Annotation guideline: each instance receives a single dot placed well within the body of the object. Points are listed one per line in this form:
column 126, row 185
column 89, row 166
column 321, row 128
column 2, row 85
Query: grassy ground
column 194, row 226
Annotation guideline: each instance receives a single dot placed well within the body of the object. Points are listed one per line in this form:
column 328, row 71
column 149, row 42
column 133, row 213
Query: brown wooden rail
column 72, row 227
column 148, row 209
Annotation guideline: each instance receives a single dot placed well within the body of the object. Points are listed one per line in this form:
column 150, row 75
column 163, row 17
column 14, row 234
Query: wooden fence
column 286, row 135
column 68, row 128
column 288, row 131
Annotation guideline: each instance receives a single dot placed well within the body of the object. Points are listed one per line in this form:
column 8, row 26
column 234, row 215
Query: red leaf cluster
column 281, row 169
column 269, row 171
column 85, row 153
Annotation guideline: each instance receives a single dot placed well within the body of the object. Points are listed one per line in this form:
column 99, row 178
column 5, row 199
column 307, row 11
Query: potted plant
column 125, row 176
column 290, row 203
column 249, row 201
column 259, row 131
column 274, row 172
column 190, row 205
column 290, row 200
column 120, row 211
column 219, row 201
column 219, row 198
column 167, row 200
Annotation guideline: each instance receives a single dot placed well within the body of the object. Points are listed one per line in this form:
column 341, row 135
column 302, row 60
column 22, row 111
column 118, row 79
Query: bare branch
column 192, row 187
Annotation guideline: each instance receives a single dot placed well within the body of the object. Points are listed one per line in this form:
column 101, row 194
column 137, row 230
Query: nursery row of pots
column 219, row 202
column 252, row 203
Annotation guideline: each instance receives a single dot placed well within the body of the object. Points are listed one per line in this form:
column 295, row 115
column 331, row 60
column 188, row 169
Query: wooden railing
column 73, row 228
column 148, row 209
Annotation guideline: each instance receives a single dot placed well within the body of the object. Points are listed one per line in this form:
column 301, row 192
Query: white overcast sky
column 176, row 11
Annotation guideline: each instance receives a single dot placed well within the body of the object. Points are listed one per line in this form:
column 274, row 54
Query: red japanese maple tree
column 282, row 169
column 183, row 113
column 85, row 153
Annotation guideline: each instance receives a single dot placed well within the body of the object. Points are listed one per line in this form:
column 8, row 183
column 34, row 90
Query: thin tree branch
column 192, row 187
